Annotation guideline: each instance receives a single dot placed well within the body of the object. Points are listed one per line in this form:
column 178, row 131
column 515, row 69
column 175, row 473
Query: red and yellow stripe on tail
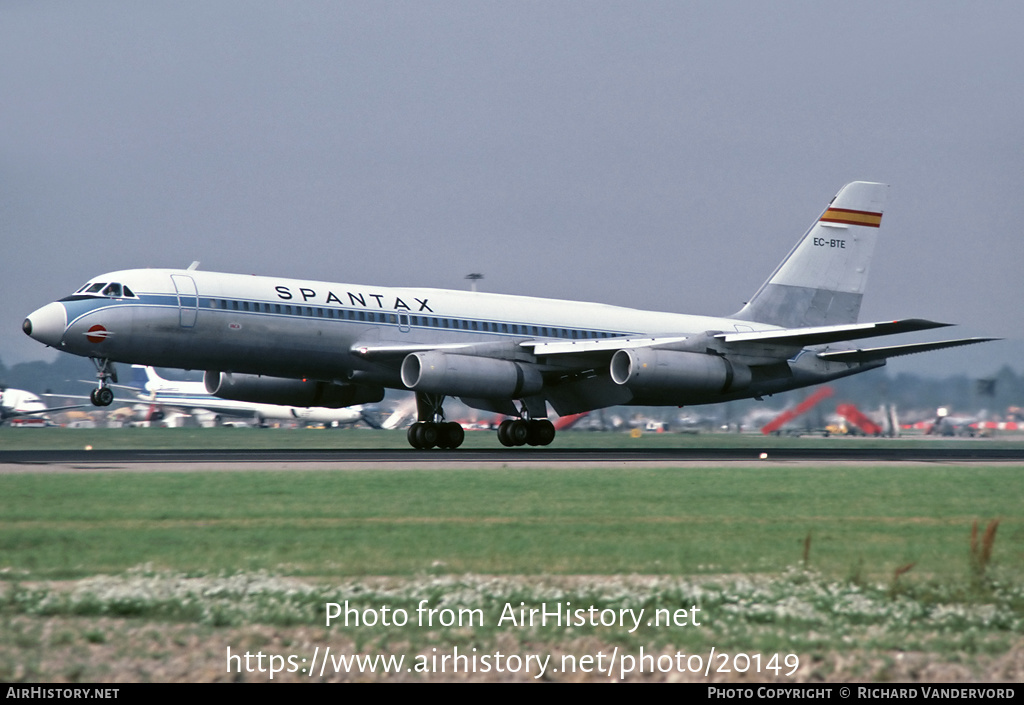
column 851, row 217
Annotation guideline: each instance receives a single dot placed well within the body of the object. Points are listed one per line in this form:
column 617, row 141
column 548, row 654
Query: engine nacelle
column 289, row 392
column 470, row 376
column 672, row 372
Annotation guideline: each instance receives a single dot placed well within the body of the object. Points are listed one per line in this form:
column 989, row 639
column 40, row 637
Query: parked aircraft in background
column 19, row 405
column 946, row 424
column 192, row 398
column 308, row 343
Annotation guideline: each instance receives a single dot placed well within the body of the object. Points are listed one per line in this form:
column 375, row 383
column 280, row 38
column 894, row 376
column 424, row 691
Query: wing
column 585, row 374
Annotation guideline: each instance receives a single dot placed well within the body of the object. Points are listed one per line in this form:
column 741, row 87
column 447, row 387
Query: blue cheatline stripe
column 351, row 315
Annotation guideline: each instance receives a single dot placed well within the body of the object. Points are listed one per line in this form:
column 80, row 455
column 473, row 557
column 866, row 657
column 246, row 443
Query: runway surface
column 141, row 460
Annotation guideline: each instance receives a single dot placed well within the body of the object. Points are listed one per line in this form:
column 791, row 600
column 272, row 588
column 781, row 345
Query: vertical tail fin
column 139, row 378
column 821, row 281
column 141, row 375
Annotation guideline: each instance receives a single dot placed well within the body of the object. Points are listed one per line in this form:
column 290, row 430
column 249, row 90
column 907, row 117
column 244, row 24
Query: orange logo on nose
column 96, row 334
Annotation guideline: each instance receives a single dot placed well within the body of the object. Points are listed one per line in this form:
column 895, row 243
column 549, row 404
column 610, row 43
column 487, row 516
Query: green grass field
column 680, row 521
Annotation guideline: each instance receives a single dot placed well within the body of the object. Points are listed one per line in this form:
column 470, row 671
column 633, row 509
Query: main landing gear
column 521, row 432
column 432, row 431
column 424, row 435
column 103, row 395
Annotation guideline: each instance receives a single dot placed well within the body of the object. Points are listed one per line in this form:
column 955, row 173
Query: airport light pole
column 474, row 278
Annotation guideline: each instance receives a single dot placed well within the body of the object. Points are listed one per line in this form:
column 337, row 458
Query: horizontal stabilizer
column 874, row 354
column 821, row 335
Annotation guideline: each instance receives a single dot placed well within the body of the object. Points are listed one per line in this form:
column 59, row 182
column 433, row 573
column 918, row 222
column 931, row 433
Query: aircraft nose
column 47, row 325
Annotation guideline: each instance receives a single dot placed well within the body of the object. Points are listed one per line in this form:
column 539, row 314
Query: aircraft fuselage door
column 188, row 299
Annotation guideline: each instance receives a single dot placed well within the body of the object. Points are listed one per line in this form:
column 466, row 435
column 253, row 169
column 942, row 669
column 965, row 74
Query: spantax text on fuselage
column 354, row 299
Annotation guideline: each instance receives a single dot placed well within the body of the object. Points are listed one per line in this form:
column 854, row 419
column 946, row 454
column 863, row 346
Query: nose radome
column 47, row 325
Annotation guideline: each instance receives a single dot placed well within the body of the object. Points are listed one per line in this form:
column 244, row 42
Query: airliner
column 18, row 404
column 192, row 397
column 311, row 343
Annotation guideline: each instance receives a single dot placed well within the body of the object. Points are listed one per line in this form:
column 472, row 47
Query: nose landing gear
column 103, row 395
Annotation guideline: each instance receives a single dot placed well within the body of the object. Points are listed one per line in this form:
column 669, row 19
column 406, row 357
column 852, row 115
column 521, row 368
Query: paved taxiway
column 193, row 460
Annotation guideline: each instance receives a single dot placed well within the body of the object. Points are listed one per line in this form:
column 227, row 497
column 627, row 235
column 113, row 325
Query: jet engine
column 470, row 376
column 670, row 373
column 289, row 392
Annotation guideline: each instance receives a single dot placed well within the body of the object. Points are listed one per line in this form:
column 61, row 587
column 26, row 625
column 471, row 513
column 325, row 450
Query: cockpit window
column 113, row 290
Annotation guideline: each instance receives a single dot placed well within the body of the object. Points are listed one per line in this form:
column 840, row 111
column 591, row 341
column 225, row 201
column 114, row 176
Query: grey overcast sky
column 659, row 155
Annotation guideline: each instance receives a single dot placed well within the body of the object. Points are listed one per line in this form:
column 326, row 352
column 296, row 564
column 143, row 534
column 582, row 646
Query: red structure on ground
column 798, row 410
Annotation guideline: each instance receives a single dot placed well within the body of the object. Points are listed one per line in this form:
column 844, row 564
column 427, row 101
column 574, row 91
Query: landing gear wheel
column 503, row 437
column 540, row 433
column 422, row 435
column 101, row 397
column 428, row 435
column 451, row 435
column 411, row 435
column 518, row 432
